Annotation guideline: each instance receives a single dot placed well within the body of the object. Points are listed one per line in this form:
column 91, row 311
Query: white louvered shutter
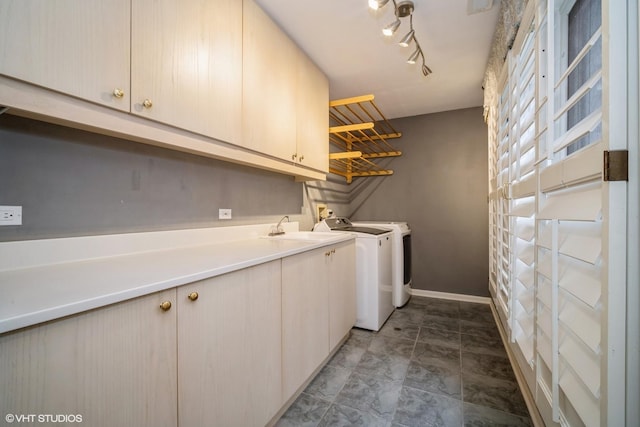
column 570, row 215
column 561, row 286
column 523, row 203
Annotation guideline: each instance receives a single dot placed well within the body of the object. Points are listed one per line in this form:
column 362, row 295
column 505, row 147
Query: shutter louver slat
column 525, row 230
column 581, row 240
column 544, row 291
column 587, row 407
column 582, row 205
column 584, row 323
column 584, row 127
column 579, row 94
column 526, row 277
column 544, row 349
column 584, row 363
column 523, row 208
column 527, row 302
column 580, row 279
column 525, row 252
column 523, row 317
column 544, row 265
column 526, row 346
column 544, row 237
column 545, row 325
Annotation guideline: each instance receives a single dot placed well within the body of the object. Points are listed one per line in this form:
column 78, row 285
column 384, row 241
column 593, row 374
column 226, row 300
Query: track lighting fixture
column 402, row 10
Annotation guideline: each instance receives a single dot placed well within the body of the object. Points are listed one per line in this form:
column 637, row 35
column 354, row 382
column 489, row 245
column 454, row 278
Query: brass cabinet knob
column 118, row 93
column 301, row 157
column 333, row 251
column 165, row 305
column 327, row 253
column 193, row 296
column 293, row 156
column 147, row 103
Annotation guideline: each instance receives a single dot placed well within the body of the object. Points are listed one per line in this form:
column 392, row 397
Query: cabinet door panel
column 229, row 349
column 269, row 85
column 187, row 60
column 305, row 317
column 342, row 293
column 80, row 48
column 312, row 130
column 115, row 366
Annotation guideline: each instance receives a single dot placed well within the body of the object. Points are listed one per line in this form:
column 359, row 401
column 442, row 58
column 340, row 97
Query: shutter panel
column 569, row 244
column 550, row 209
column 523, row 204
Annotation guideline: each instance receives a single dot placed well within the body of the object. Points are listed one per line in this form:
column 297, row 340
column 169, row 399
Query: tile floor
column 434, row 363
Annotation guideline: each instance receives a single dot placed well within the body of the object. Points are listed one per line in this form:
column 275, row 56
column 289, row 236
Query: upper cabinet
column 269, row 82
column 80, row 48
column 216, row 78
column 312, row 119
column 285, row 97
column 186, row 65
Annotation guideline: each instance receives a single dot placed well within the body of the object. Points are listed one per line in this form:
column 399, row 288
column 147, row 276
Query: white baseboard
column 450, row 296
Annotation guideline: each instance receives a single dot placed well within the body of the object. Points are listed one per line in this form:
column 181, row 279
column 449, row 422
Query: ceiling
column 344, row 38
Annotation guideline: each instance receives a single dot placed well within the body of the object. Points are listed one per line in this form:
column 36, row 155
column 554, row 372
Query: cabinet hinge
column 616, row 166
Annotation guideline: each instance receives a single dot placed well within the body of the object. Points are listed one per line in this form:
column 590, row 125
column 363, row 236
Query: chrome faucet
column 278, row 229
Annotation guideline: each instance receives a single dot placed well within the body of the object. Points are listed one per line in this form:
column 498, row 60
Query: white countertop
column 41, row 293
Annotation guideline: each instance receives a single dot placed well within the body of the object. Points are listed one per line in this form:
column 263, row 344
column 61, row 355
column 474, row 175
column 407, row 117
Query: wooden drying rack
column 361, row 130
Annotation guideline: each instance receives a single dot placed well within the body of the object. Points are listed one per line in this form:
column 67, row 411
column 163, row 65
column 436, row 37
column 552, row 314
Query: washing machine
column 400, row 257
column 373, row 270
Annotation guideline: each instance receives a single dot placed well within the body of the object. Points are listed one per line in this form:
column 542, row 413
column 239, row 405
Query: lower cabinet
column 318, row 309
column 342, row 292
column 305, row 316
column 114, row 366
column 229, row 354
column 224, row 351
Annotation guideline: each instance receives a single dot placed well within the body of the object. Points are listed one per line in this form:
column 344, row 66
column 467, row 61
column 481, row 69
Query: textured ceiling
column 344, row 39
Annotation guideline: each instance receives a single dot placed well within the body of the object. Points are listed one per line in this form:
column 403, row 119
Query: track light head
column 414, row 56
column 377, row 4
column 390, row 29
column 406, row 40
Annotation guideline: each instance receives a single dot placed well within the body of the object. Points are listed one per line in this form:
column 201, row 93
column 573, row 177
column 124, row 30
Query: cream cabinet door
column 312, row 122
column 77, row 47
column 114, row 366
column 229, row 348
column 269, row 86
column 342, row 292
column 186, row 65
column 305, row 316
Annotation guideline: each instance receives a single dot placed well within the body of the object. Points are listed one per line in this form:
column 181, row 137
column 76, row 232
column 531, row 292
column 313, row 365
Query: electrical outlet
column 10, row 215
column 224, row 213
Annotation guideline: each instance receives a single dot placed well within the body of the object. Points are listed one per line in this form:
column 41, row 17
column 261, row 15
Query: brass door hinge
column 616, row 166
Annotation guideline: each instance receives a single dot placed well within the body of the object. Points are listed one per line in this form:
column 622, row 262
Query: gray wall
column 73, row 183
column 440, row 187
